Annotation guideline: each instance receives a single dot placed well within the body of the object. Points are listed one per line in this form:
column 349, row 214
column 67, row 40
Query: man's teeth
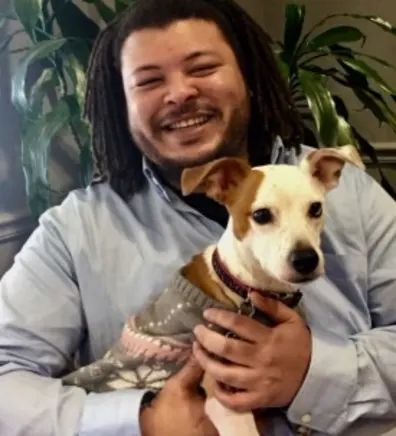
column 189, row 123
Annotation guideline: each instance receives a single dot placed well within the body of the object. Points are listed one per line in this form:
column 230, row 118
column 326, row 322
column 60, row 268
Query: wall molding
column 386, row 153
column 16, row 228
column 385, row 146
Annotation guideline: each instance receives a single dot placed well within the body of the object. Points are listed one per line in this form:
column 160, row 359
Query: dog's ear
column 217, row 179
column 326, row 164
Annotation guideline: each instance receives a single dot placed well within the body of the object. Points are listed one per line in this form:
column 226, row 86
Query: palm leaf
column 121, row 5
column 106, row 13
column 39, row 51
column 37, row 137
column 362, row 67
column 336, row 35
column 44, row 86
column 28, row 12
column 378, row 21
column 294, row 22
column 77, row 74
column 321, row 105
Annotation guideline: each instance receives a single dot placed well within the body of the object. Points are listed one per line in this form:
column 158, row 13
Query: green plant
column 48, row 82
column 301, row 59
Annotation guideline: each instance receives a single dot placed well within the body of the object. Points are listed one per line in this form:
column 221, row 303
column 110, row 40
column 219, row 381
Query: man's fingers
column 236, row 376
column 245, row 327
column 276, row 310
column 242, row 401
column 234, row 350
column 190, row 375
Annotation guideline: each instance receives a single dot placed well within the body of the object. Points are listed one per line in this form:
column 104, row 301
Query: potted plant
column 301, row 57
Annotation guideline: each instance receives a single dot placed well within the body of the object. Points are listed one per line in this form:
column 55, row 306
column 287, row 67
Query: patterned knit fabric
column 153, row 344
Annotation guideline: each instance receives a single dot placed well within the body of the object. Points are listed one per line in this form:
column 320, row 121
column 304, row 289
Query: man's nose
column 180, row 89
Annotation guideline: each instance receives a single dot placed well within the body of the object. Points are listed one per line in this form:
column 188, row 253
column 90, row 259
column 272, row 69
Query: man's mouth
column 188, row 122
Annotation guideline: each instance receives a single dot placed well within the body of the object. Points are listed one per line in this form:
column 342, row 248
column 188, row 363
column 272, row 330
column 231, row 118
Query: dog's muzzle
column 304, row 261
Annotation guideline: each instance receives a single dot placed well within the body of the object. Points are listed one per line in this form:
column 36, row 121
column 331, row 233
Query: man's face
column 186, row 98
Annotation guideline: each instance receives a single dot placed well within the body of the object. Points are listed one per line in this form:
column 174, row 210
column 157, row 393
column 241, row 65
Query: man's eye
column 204, row 69
column 148, row 82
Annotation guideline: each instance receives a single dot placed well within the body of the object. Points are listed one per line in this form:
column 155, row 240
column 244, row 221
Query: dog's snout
column 304, row 261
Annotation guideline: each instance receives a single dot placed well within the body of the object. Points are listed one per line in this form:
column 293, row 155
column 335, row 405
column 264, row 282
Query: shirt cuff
column 112, row 413
column 322, row 401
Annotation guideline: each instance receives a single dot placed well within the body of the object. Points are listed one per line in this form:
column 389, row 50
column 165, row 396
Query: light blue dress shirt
column 95, row 259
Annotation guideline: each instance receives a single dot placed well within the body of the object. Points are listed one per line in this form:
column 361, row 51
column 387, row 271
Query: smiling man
column 172, row 84
column 191, row 104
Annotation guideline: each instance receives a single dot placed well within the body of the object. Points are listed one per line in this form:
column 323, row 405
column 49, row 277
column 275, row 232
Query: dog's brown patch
column 197, row 273
column 243, row 199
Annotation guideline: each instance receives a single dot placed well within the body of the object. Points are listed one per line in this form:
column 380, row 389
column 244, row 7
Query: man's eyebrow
column 189, row 57
column 147, row 67
column 199, row 53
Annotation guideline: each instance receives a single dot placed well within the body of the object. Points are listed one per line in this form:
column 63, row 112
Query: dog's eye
column 262, row 216
column 315, row 210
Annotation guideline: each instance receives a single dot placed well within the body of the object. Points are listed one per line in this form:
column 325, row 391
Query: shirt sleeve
column 354, row 379
column 41, row 325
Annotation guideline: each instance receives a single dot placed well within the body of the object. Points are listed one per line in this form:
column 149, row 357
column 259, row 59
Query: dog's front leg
column 227, row 422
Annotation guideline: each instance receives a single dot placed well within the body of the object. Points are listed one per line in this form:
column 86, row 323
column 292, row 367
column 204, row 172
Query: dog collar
column 291, row 299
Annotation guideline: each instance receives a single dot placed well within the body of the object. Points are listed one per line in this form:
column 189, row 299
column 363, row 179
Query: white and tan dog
column 273, row 236
column 271, row 243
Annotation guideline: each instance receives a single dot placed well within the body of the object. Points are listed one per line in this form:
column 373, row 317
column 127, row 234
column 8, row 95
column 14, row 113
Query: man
column 181, row 82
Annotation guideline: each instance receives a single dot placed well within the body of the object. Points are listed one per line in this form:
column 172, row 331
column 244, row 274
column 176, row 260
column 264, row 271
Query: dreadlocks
column 117, row 158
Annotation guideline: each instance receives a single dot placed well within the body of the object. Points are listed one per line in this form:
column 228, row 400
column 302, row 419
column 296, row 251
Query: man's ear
column 217, row 179
column 326, row 164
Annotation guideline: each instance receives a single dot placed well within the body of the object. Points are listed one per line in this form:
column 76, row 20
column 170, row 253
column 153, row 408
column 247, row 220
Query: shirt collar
column 152, row 177
column 280, row 155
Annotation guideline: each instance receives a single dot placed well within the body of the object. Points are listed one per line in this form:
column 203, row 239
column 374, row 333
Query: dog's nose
column 304, row 261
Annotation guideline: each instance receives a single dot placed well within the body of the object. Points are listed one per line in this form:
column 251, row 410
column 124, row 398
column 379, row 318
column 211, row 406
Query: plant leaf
column 321, row 105
column 28, row 12
column 344, row 132
column 377, row 106
column 370, row 73
column 336, row 35
column 82, row 135
column 121, row 5
column 77, row 27
column 45, row 84
column 383, row 24
column 37, row 137
column 78, row 77
column 73, row 23
column 283, row 67
column 8, row 15
column 106, row 13
column 342, row 50
column 294, row 22
column 39, row 51
column 5, row 44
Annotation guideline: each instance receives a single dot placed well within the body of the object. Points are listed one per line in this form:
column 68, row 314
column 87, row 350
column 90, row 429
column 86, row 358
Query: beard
column 232, row 144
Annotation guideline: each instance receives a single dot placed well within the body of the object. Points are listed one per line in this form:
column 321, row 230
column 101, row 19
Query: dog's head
column 276, row 211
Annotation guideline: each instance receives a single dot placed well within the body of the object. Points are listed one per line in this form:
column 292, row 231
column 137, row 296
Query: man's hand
column 267, row 366
column 178, row 410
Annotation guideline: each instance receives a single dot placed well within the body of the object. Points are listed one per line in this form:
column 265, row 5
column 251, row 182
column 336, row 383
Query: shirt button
column 306, row 419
